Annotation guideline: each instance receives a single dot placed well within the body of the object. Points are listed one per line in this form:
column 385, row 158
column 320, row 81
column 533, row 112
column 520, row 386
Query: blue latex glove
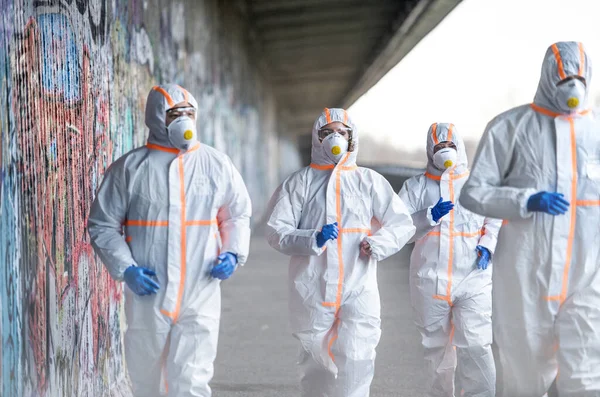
column 226, row 266
column 484, row 257
column 441, row 209
column 550, row 203
column 139, row 280
column 329, row 232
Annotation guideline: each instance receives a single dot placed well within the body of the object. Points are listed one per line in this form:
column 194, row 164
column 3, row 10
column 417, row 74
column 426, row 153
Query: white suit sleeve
column 490, row 236
column 105, row 223
column 234, row 217
column 421, row 219
column 484, row 192
column 283, row 218
column 396, row 223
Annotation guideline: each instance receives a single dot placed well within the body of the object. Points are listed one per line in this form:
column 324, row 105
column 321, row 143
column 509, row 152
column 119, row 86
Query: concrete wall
column 74, row 75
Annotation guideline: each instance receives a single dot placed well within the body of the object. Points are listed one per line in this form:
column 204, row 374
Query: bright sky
column 483, row 58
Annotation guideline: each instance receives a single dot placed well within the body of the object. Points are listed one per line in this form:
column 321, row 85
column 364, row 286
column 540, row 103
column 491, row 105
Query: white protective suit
column 179, row 210
column 451, row 297
column 547, row 273
column 334, row 299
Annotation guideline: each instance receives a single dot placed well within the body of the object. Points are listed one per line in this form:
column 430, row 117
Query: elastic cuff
column 523, row 199
column 430, row 217
column 374, row 254
column 234, row 255
column 487, row 242
column 240, row 259
column 120, row 276
column 314, row 246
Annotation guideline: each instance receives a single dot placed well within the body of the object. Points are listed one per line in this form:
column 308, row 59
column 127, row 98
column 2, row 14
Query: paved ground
column 257, row 353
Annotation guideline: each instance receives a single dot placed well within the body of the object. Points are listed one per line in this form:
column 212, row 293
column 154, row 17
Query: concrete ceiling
column 327, row 53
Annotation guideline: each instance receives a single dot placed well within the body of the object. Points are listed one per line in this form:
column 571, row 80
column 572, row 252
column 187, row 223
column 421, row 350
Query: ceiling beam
column 301, row 77
column 258, row 6
column 341, row 53
column 320, row 31
column 326, row 15
column 421, row 20
column 349, row 36
column 329, row 52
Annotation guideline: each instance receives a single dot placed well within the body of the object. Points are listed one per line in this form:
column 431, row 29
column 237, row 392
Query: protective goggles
column 178, row 112
column 443, row 145
column 324, row 132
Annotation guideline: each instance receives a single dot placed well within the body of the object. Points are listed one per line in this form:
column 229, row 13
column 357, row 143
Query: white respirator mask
column 445, row 158
column 182, row 133
column 335, row 146
column 570, row 96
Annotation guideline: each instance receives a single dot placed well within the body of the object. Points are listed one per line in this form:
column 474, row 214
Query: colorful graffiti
column 73, row 81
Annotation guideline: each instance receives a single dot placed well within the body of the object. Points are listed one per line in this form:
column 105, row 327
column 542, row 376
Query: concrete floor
column 257, row 352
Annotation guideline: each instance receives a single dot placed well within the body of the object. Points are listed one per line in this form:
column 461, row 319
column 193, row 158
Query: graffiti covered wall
column 74, row 75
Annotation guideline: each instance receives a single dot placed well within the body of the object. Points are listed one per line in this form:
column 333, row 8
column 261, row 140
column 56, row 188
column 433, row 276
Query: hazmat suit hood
column 440, row 132
column 160, row 99
column 318, row 155
column 562, row 59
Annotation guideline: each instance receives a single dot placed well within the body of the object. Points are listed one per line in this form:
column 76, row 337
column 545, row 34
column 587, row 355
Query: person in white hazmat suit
column 538, row 168
column 185, row 213
column 336, row 221
column 450, row 284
